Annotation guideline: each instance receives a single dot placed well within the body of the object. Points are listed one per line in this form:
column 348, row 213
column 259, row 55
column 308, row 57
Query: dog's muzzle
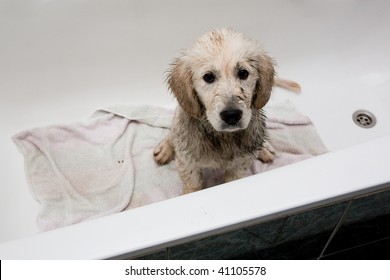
column 231, row 116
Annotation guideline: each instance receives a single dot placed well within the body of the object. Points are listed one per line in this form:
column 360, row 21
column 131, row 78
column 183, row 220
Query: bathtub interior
column 62, row 60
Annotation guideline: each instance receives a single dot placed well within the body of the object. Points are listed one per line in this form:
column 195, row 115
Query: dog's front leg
column 267, row 153
column 231, row 175
column 190, row 175
column 241, row 170
column 164, row 152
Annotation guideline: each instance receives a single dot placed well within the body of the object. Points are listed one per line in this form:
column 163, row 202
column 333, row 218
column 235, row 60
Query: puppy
column 221, row 84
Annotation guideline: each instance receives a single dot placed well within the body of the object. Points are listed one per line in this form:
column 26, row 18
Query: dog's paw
column 267, row 153
column 164, row 152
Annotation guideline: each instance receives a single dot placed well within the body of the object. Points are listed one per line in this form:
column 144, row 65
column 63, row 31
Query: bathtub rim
column 195, row 216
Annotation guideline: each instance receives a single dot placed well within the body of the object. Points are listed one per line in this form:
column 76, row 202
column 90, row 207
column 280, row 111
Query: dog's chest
column 204, row 147
column 220, row 151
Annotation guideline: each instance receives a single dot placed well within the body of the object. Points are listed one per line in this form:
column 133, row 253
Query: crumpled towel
column 105, row 165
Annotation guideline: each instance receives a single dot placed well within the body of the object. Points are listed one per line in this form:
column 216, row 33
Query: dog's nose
column 231, row 116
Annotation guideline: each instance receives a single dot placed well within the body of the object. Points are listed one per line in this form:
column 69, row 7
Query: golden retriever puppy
column 221, row 84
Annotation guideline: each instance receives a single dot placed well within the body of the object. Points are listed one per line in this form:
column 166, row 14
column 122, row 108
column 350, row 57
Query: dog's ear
column 266, row 73
column 181, row 84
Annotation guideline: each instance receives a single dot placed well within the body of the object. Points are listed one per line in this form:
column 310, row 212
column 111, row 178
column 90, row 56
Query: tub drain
column 364, row 118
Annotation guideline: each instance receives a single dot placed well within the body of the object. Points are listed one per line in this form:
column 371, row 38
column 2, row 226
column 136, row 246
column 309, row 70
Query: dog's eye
column 209, row 78
column 243, row 74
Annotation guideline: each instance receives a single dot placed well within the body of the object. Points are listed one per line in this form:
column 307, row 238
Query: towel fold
column 105, row 164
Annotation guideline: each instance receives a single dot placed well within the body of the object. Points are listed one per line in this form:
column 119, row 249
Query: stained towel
column 105, row 165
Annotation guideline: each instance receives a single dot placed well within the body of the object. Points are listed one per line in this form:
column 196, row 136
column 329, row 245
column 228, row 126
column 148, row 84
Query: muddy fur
column 221, row 83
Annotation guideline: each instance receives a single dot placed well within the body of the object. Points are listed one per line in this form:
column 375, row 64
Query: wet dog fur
column 221, row 84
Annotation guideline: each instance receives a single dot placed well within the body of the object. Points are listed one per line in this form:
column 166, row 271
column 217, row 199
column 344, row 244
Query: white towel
column 105, row 165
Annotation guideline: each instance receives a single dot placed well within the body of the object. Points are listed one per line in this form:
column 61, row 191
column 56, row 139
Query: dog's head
column 225, row 73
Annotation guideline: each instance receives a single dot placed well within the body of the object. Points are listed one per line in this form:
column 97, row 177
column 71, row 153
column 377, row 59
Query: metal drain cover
column 364, row 118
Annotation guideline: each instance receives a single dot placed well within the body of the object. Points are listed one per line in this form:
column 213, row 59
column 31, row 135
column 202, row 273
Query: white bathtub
column 61, row 60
